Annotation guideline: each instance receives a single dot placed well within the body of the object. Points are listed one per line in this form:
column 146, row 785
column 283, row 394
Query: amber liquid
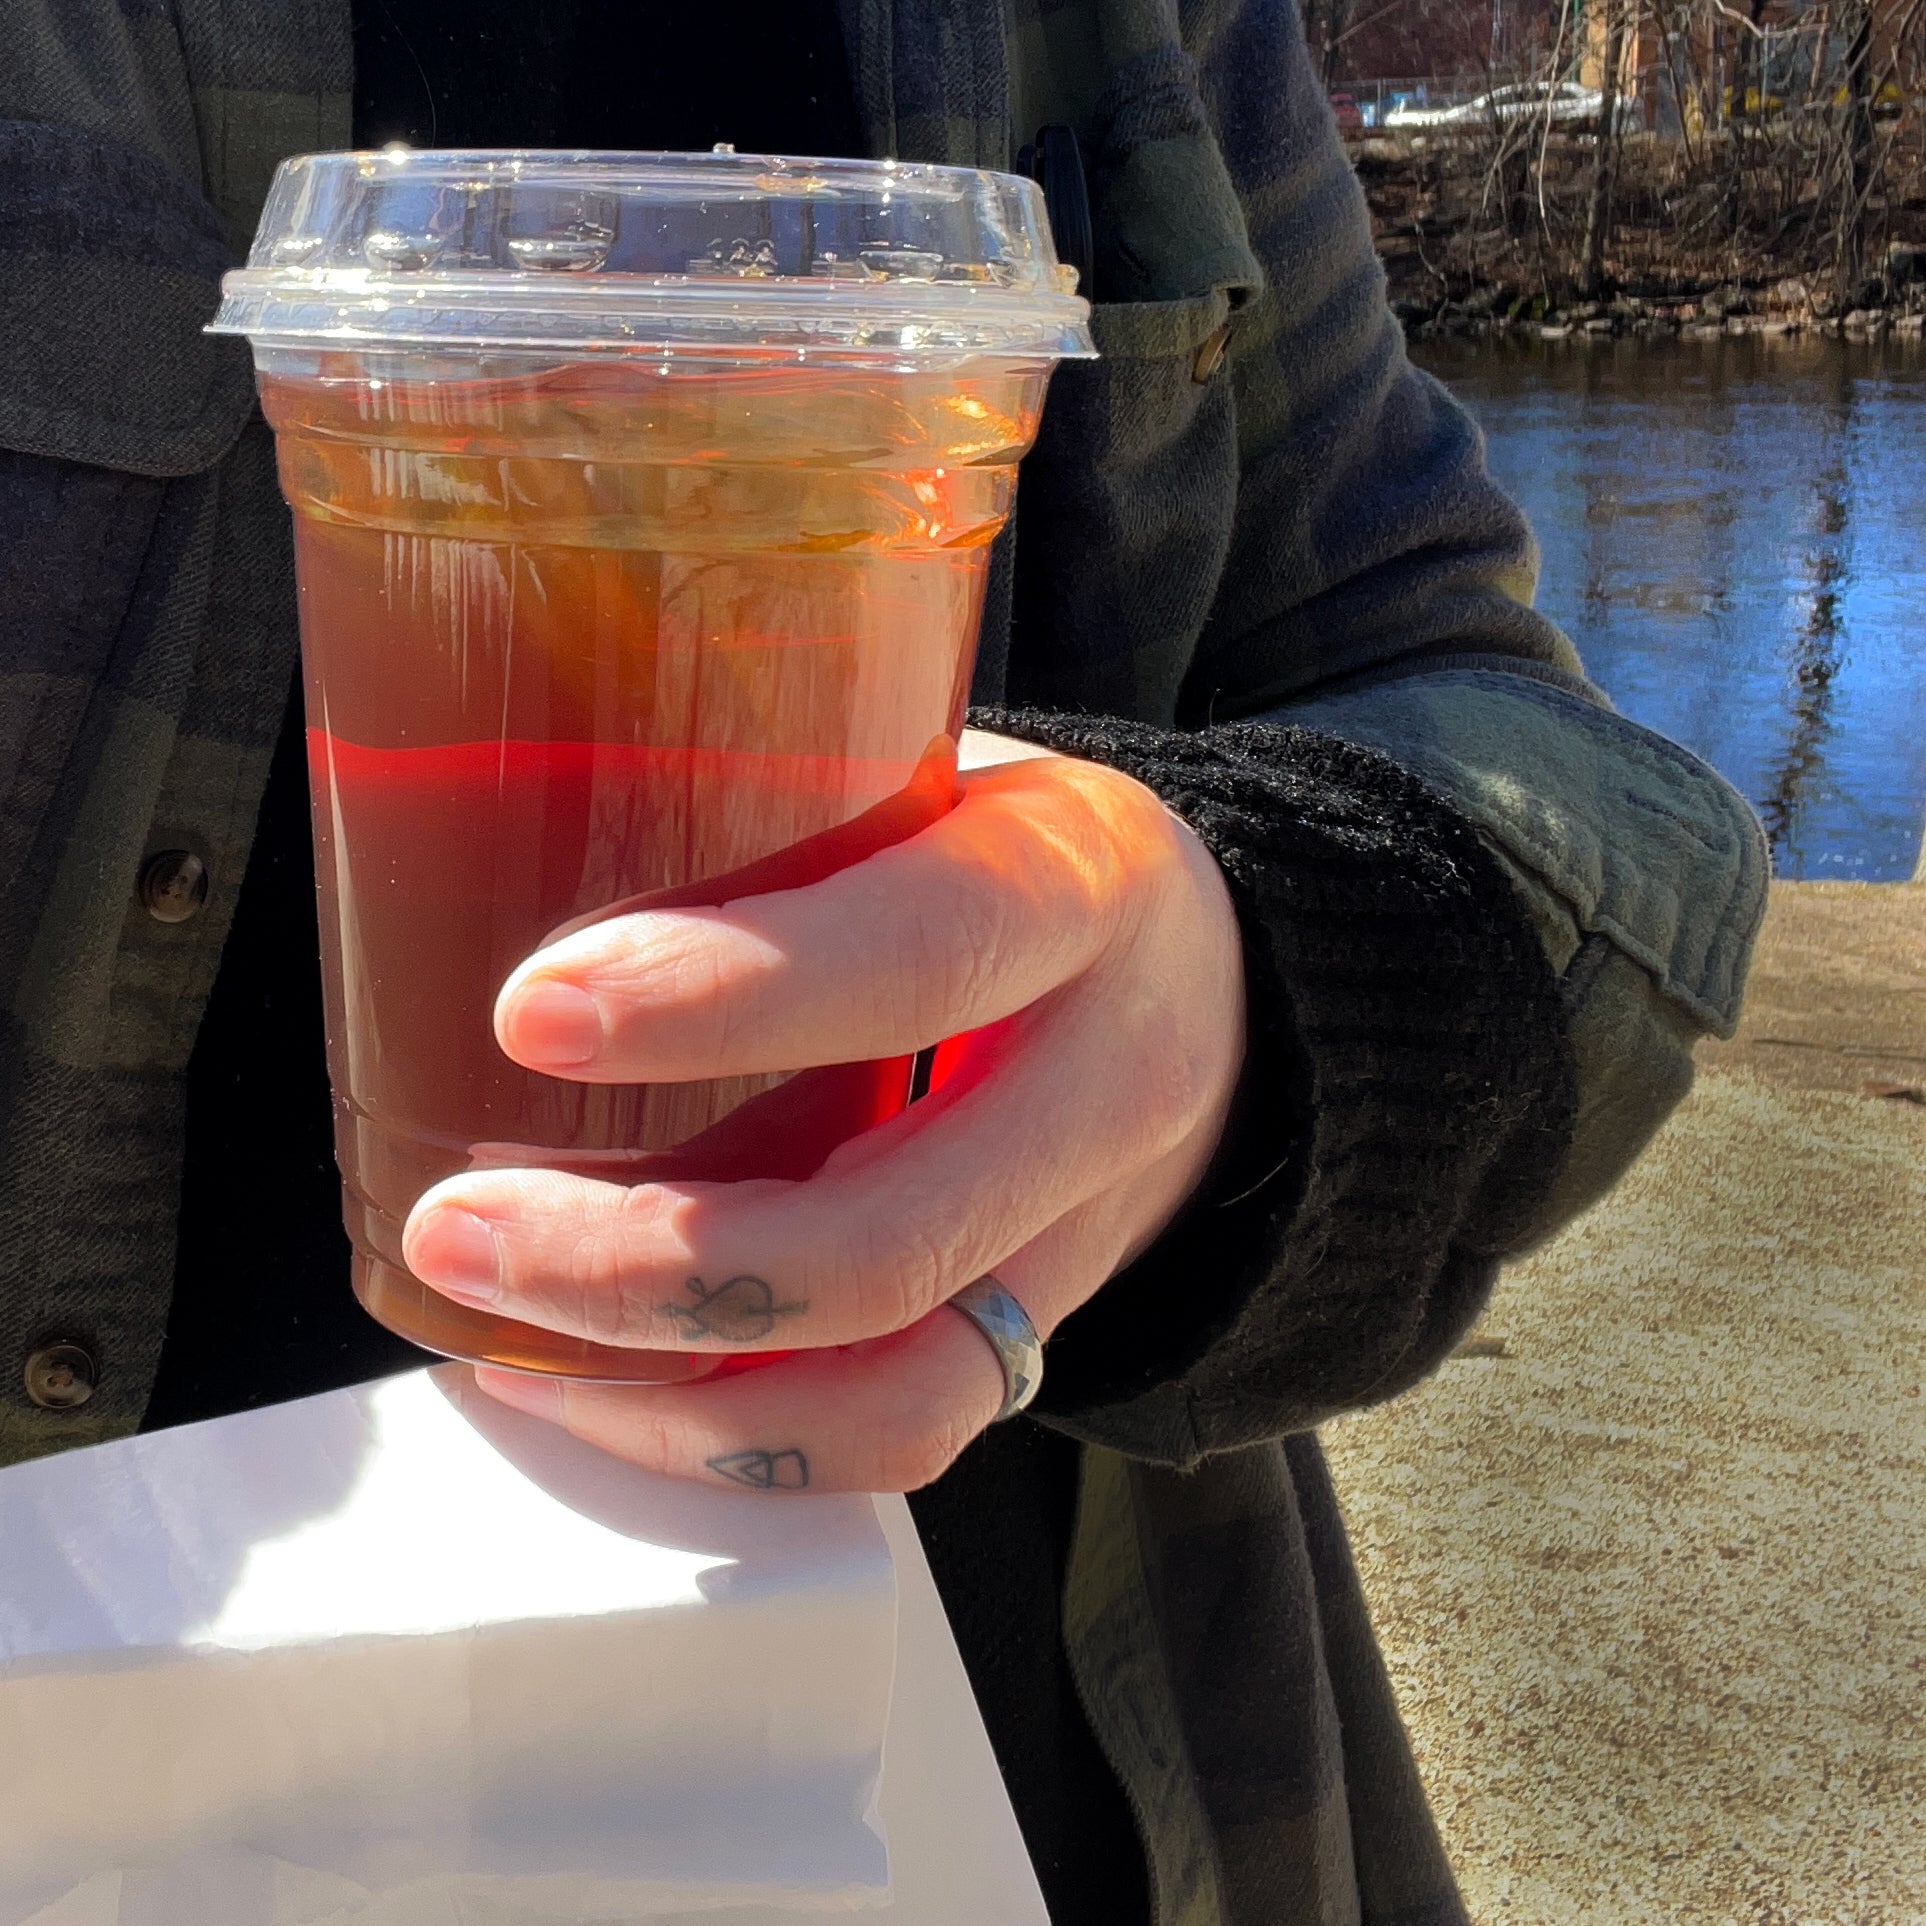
column 581, row 634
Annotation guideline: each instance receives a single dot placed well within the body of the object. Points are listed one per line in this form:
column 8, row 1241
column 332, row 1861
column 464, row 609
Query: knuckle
column 597, row 1296
column 917, row 1455
column 640, row 1435
column 899, row 1272
column 1181, row 1074
column 926, row 1257
column 710, row 1014
column 1106, row 848
column 611, row 1291
column 1183, row 1079
column 734, row 1017
column 557, row 1262
column 1175, row 1079
column 676, row 970
column 956, row 945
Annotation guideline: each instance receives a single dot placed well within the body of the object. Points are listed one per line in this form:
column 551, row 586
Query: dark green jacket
column 1305, row 534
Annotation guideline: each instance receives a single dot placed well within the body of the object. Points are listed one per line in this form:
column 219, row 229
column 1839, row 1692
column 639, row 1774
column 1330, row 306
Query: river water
column 1734, row 535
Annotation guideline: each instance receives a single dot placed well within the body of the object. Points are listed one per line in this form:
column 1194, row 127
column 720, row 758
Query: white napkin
column 360, row 1658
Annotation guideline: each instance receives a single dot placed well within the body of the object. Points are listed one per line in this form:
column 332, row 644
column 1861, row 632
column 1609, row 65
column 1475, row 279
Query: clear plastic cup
column 642, row 510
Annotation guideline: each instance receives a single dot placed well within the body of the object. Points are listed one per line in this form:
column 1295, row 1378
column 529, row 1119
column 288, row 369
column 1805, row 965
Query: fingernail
column 540, row 1397
column 548, row 1024
column 458, row 1254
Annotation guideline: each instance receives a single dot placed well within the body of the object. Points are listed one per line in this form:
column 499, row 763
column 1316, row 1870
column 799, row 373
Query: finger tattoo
column 764, row 1470
column 738, row 1311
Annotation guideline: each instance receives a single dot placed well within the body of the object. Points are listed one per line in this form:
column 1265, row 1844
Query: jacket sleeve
column 1379, row 588
column 1485, row 917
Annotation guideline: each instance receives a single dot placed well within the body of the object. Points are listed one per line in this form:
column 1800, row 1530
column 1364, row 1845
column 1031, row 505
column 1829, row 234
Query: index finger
column 1013, row 893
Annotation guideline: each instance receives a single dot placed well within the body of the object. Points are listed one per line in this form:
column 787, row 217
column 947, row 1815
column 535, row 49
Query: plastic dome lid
column 671, row 253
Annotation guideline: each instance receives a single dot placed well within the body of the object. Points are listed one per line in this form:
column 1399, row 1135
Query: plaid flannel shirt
column 1306, row 534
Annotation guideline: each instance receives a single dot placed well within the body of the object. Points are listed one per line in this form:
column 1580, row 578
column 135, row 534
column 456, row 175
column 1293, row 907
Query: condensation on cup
column 642, row 507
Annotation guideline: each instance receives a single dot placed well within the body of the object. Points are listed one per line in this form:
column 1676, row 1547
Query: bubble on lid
column 292, row 249
column 576, row 250
column 902, row 263
column 407, row 252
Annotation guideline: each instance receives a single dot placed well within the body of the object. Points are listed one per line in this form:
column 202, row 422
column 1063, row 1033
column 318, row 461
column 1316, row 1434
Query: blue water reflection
column 1734, row 535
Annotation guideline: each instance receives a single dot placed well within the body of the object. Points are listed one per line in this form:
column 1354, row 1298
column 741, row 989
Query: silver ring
column 1012, row 1337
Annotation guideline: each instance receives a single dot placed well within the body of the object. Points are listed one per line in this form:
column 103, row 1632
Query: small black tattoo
column 764, row 1470
column 738, row 1312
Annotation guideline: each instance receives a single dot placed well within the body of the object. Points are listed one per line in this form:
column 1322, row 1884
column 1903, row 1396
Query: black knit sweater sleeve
column 1406, row 1098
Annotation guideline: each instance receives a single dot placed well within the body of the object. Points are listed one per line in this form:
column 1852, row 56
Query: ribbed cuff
column 1407, row 1094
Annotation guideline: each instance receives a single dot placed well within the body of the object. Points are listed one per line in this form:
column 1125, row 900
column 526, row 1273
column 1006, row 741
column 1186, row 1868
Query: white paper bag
column 357, row 1658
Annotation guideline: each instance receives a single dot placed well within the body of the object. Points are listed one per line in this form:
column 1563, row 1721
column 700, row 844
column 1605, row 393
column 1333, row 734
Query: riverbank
column 1647, row 1557
column 1730, row 308
column 1474, row 244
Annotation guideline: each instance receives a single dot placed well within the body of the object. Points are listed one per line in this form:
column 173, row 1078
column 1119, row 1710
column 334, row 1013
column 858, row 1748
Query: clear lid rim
column 607, row 159
column 646, row 305
column 500, row 311
column 365, row 286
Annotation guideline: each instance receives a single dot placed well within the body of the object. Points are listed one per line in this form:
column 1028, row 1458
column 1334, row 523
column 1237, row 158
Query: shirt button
column 1210, row 356
column 60, row 1376
column 173, row 885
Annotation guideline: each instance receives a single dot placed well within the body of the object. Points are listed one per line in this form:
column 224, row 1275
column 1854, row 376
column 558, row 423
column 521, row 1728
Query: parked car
column 1350, row 116
column 1409, row 112
column 1563, row 102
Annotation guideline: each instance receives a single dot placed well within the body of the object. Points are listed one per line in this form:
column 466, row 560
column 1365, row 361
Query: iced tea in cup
column 642, row 507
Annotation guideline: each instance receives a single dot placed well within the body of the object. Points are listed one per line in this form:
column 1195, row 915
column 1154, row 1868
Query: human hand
column 1060, row 912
